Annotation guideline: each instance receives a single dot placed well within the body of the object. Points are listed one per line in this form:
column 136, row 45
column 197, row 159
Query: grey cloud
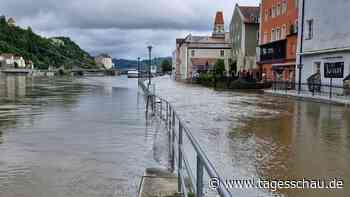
column 120, row 27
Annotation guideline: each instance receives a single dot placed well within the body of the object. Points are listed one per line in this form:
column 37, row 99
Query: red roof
column 219, row 18
column 250, row 13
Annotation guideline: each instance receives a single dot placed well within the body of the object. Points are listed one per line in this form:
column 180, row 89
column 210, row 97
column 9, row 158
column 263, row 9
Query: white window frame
column 284, row 6
column 279, row 9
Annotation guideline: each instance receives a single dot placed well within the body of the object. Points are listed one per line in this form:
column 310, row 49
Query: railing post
column 173, row 143
column 179, row 167
column 167, row 113
column 330, row 89
column 199, row 177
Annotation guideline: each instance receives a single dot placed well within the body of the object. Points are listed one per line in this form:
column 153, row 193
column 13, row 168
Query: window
column 265, row 39
column 284, row 6
column 193, row 53
column 295, row 26
column 266, row 14
column 273, row 35
column 310, row 30
column 284, row 31
column 273, row 11
column 278, row 11
column 258, row 35
column 296, row 3
column 222, row 53
column 278, row 34
column 317, row 67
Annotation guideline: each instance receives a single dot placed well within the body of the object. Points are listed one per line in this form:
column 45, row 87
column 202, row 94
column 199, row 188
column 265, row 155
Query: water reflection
column 12, row 86
column 306, row 140
column 76, row 137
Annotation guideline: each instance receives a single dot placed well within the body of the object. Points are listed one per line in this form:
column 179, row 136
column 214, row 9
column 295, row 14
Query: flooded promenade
column 90, row 137
column 250, row 135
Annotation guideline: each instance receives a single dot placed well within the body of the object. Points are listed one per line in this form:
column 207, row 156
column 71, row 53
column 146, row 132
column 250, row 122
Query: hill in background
column 125, row 64
column 57, row 52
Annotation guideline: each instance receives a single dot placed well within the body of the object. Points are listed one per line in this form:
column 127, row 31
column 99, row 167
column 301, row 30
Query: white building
column 196, row 54
column 7, row 60
column 19, row 62
column 325, row 40
column 105, row 61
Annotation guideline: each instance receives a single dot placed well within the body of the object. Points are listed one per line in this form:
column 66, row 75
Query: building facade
column 325, row 40
column 196, row 54
column 278, row 39
column 105, row 61
column 244, row 34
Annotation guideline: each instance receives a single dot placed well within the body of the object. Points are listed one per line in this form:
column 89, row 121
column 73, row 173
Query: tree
column 219, row 67
column 3, row 20
column 166, row 66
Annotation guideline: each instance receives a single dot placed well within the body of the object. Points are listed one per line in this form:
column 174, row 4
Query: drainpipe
column 300, row 66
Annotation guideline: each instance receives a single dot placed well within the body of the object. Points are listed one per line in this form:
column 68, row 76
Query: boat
column 133, row 74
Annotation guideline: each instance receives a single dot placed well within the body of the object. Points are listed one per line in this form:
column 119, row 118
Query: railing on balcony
column 273, row 51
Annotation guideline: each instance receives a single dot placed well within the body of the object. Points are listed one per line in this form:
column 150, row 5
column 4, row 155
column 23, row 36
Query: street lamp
column 138, row 67
column 150, row 63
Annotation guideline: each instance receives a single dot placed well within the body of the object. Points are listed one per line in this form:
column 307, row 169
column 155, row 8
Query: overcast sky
column 122, row 28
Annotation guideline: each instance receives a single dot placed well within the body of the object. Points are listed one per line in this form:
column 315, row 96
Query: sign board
column 334, row 70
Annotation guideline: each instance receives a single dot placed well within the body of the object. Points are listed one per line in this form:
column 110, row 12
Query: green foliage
column 206, row 78
column 42, row 51
column 219, row 67
column 166, row 66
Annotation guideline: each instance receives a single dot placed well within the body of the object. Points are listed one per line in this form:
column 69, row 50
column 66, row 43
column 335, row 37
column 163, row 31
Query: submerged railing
column 178, row 132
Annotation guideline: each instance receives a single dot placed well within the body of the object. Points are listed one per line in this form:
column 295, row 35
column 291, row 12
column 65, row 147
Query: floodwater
column 250, row 135
column 78, row 137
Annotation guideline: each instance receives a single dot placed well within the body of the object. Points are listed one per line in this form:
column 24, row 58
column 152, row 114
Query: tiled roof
column 250, row 13
column 104, row 55
column 219, row 18
column 7, row 55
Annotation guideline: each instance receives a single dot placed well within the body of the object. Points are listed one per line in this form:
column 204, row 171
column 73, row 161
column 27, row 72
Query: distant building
column 278, row 39
column 104, row 60
column 19, row 62
column 29, row 64
column 244, row 33
column 325, row 41
column 7, row 60
column 196, row 54
column 11, row 22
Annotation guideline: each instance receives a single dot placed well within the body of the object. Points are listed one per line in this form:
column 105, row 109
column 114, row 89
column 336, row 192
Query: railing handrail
column 202, row 159
column 306, row 83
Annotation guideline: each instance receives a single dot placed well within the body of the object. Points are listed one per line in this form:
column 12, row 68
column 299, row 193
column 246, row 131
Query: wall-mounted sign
column 334, row 70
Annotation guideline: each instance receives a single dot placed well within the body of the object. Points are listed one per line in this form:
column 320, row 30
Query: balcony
column 273, row 51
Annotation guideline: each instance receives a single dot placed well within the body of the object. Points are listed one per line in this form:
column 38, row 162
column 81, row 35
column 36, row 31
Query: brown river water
column 82, row 137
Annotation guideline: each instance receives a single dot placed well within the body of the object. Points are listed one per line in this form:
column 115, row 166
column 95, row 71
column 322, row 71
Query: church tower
column 219, row 25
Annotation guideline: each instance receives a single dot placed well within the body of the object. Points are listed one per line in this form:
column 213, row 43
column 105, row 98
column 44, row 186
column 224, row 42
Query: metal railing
column 313, row 89
column 178, row 132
